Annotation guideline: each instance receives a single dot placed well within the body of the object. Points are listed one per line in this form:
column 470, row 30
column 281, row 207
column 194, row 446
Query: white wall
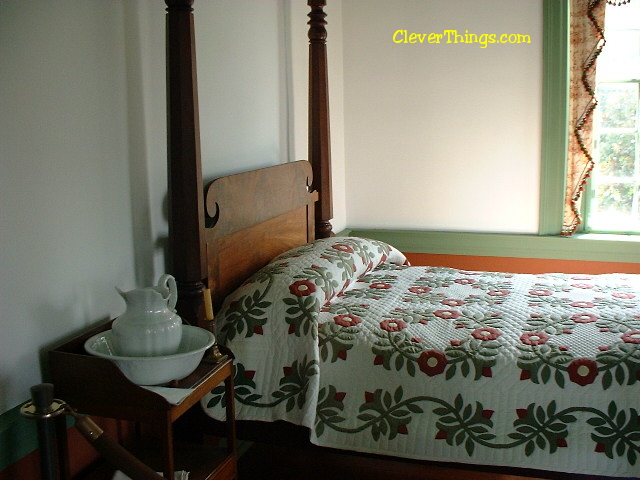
column 83, row 152
column 442, row 136
column 242, row 86
column 66, row 235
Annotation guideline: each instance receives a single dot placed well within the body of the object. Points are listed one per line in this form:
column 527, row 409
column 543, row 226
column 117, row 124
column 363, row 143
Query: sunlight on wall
column 442, row 136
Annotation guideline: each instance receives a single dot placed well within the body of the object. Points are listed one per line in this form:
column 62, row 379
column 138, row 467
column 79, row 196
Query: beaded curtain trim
column 587, row 42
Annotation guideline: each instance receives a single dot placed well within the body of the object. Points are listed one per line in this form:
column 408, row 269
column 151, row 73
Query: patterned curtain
column 586, row 42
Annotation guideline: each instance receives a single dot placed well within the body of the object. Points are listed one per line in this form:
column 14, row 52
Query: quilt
column 433, row 363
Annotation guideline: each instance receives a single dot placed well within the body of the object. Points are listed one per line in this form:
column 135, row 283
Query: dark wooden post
column 187, row 249
column 319, row 139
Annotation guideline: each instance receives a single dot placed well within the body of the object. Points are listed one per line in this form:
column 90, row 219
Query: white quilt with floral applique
column 534, row 371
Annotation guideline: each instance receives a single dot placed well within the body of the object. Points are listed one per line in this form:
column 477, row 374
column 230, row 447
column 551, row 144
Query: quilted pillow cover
column 302, row 279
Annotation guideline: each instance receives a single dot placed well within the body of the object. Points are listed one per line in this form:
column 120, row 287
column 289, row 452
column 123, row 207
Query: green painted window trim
column 625, row 249
column 555, row 115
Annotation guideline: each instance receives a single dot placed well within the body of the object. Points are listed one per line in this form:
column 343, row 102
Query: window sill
column 587, row 247
column 609, row 237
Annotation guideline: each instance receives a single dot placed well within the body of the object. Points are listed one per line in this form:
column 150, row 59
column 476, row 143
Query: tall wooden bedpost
column 187, row 248
column 319, row 140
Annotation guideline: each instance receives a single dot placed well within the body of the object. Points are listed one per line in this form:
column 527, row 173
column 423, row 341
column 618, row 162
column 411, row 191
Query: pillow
column 295, row 285
column 346, row 257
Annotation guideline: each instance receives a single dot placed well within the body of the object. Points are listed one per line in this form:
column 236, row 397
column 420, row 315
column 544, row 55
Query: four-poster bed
column 317, row 313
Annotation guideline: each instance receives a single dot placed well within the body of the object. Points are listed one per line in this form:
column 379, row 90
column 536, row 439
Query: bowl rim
column 189, row 329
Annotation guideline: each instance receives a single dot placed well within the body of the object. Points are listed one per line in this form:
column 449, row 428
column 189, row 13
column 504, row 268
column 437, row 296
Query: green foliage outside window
column 617, row 155
column 614, row 197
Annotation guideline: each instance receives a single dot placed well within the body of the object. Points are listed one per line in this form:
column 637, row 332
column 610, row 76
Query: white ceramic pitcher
column 149, row 326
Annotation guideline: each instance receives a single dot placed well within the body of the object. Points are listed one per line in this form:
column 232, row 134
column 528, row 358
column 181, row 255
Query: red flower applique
column 534, row 338
column 441, row 435
column 582, row 371
column 347, row 320
column 432, row 362
column 451, row 302
column 581, row 277
column 541, row 292
column 623, row 295
column 447, row 314
column 584, row 317
column 343, row 247
column 583, row 304
column 632, row 336
column 302, row 288
column 486, row 333
column 393, row 325
column 419, row 290
column 498, row 293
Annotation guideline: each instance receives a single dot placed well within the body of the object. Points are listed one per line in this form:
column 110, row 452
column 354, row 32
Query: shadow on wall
column 144, row 248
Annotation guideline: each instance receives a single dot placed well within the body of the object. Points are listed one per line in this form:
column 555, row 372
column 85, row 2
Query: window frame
column 591, row 190
column 555, row 115
column 555, row 121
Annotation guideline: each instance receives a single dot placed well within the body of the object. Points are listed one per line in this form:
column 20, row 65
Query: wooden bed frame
column 213, row 231
column 210, row 237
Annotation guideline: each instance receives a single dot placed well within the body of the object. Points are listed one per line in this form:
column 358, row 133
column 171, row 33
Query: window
column 613, row 202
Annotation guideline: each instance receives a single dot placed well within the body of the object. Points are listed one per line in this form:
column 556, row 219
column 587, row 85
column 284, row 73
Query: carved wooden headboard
column 254, row 216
